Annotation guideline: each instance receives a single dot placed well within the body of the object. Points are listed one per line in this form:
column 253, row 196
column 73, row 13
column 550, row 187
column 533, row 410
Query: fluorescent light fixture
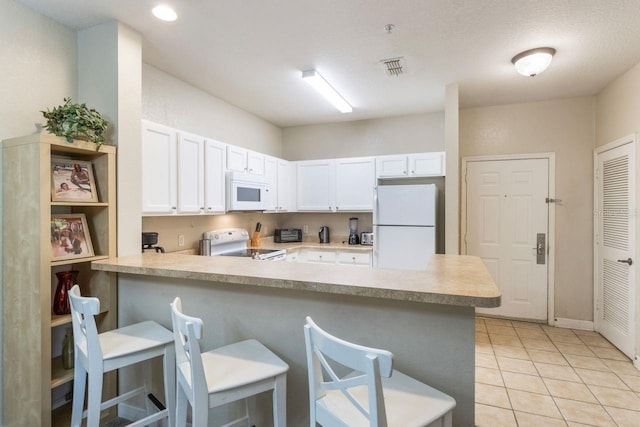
column 320, row 84
column 164, row 13
column 534, row 61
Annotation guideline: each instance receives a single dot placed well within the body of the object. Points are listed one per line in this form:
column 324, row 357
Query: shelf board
column 58, row 320
column 59, row 375
column 78, row 260
column 72, row 204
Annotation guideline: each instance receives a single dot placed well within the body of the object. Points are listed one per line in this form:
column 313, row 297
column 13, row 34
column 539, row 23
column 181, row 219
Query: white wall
column 172, row 102
column 393, row 135
column 565, row 127
column 38, row 58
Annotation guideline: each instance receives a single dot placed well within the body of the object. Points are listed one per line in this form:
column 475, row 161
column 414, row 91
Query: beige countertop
column 449, row 279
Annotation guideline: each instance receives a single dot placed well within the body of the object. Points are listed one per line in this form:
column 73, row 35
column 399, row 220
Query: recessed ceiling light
column 534, row 61
column 165, row 13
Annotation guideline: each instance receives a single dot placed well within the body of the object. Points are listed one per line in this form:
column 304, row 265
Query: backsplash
column 169, row 228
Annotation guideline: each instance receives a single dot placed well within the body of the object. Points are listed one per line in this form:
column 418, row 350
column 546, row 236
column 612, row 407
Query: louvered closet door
column 615, row 247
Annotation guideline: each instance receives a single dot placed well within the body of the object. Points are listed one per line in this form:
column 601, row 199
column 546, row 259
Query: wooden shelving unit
column 31, row 371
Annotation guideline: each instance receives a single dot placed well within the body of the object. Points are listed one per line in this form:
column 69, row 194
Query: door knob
column 626, row 261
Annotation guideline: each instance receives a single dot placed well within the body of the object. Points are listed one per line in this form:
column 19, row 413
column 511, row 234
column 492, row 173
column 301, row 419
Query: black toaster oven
column 287, row 235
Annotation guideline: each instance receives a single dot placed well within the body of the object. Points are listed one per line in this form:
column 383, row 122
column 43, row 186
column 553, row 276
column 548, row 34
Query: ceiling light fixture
column 320, row 84
column 534, row 61
column 164, row 13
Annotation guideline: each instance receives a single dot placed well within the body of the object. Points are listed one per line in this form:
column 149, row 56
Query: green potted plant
column 76, row 121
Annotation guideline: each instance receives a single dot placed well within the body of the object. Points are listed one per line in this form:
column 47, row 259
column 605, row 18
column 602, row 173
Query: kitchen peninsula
column 426, row 318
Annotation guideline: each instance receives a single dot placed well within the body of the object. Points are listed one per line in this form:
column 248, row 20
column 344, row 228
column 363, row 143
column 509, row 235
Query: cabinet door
column 391, row 166
column 315, row 185
column 236, row 158
column 214, row 185
column 159, row 187
column 271, row 173
column 426, row 164
column 355, row 179
column 190, row 173
column 255, row 163
column 284, row 184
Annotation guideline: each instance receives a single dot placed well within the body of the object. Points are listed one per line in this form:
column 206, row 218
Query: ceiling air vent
column 393, row 66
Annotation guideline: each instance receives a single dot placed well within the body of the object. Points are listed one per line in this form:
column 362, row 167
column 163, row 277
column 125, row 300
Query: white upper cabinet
column 243, row 160
column 315, row 185
column 182, row 173
column 355, row 180
column 410, row 165
column 159, row 163
column 427, row 164
column 214, row 168
column 278, row 173
column 284, row 185
column 190, row 174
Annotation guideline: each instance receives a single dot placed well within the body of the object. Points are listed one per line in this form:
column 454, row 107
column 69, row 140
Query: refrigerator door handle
column 375, row 206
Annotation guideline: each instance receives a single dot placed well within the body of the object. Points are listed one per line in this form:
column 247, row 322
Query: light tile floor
column 529, row 374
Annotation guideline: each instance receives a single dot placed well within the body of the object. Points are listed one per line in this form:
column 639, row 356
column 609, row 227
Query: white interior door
column 615, row 243
column 507, row 226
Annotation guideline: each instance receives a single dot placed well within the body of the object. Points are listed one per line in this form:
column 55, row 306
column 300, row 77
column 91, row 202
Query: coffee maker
column 354, row 239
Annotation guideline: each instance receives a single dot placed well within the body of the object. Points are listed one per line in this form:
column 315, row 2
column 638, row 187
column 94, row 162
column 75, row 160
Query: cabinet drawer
column 320, row 256
column 354, row 258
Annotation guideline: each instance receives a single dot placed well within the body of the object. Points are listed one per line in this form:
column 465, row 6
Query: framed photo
column 72, row 181
column 70, row 237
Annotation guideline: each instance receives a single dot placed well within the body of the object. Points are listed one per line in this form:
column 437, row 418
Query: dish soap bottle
column 67, row 350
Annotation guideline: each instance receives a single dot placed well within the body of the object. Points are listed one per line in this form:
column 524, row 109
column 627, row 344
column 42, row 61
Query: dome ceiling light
column 164, row 13
column 534, row 61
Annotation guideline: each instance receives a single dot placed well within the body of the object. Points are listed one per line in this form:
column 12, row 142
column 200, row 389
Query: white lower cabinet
column 354, row 258
column 326, row 256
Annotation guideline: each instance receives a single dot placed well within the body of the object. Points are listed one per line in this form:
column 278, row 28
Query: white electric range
column 233, row 242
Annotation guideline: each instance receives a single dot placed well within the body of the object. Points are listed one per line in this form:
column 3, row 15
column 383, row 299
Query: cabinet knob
column 210, row 208
column 173, row 208
column 337, row 207
column 404, row 172
column 413, row 172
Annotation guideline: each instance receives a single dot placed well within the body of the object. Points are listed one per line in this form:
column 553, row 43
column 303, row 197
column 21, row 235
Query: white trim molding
column 583, row 325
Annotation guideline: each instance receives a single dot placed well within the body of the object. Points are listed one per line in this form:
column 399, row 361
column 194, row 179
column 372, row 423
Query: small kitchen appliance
column 353, row 231
column 233, row 242
column 323, row 235
column 366, row 238
column 149, row 240
column 287, row 235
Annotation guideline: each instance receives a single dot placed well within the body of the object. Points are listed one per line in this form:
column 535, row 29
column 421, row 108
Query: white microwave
column 246, row 192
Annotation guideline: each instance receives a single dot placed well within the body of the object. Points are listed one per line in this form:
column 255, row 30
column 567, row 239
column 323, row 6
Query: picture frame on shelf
column 72, row 181
column 70, row 237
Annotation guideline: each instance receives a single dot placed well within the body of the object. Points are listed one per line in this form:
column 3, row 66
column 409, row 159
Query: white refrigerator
column 404, row 226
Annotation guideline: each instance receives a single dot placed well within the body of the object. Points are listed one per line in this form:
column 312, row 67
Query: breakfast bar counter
column 425, row 318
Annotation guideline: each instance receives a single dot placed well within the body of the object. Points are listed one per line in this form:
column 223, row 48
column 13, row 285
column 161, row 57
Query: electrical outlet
column 180, row 239
column 305, row 229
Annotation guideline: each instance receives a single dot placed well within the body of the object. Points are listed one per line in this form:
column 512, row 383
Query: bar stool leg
column 94, row 396
column 169, row 376
column 181, row 409
column 280, row 401
column 79, row 384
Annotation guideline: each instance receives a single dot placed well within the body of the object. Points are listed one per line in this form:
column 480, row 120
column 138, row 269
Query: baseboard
column 583, row 325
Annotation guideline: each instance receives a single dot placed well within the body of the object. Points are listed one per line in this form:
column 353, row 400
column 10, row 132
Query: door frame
column 628, row 139
column 551, row 212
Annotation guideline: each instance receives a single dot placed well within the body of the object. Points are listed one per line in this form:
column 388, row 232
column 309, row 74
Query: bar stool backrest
column 370, row 364
column 85, row 331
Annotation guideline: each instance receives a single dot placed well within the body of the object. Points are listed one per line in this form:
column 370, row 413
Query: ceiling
column 251, row 53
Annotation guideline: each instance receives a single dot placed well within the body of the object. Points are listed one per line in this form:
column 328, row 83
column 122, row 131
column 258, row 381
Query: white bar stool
column 96, row 354
column 224, row 375
column 362, row 397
